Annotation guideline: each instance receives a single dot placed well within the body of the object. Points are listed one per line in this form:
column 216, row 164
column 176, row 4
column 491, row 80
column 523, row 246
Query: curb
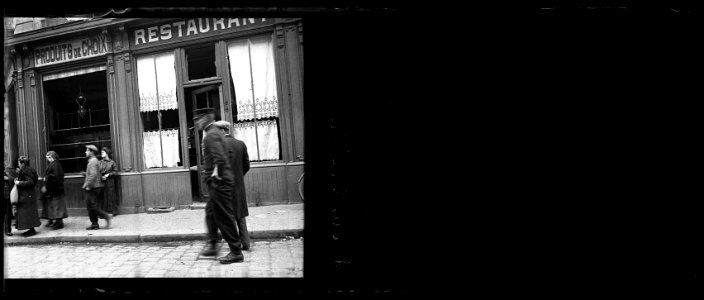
column 147, row 238
column 160, row 210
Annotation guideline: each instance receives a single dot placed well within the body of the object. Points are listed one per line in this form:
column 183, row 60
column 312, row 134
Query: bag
column 14, row 195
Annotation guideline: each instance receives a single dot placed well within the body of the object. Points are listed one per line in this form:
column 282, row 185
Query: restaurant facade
column 133, row 85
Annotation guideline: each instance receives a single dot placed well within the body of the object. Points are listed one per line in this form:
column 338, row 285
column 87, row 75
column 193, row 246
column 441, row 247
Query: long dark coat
column 53, row 201
column 214, row 154
column 109, row 200
column 27, row 211
column 239, row 161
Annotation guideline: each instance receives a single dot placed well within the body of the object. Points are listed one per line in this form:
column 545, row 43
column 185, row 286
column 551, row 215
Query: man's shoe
column 231, row 258
column 245, row 247
column 58, row 225
column 50, row 224
column 108, row 218
column 210, row 250
column 30, row 232
column 93, row 227
column 8, row 233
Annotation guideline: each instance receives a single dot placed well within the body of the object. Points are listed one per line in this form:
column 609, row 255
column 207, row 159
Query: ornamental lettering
column 73, row 50
column 191, row 28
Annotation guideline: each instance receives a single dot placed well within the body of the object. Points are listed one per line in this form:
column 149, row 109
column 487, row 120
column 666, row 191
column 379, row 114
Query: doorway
column 198, row 98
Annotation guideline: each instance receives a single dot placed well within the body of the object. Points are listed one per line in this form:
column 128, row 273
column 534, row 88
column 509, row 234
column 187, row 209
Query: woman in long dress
column 27, row 211
column 108, row 169
column 53, row 201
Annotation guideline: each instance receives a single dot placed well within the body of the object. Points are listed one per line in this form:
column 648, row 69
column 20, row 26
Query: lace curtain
column 153, row 151
column 259, row 54
column 157, row 73
column 268, row 139
column 169, row 139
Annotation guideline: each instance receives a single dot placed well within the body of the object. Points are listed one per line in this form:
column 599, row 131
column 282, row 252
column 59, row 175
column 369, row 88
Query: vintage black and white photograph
column 153, row 147
column 438, row 149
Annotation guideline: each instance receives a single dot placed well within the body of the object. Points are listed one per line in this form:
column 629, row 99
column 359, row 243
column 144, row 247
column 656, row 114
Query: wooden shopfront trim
column 165, row 170
column 276, row 164
column 64, row 30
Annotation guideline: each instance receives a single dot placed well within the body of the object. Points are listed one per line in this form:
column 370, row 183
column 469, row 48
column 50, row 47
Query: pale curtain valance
column 72, row 73
column 268, row 139
column 157, row 82
column 158, row 143
column 254, row 77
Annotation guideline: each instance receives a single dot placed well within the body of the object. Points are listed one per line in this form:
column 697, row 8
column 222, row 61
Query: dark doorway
column 77, row 115
column 198, row 98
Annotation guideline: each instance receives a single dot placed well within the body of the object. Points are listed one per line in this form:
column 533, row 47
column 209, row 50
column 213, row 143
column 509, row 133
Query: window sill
column 276, row 164
column 165, row 170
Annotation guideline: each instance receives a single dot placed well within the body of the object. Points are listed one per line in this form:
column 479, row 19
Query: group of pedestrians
column 99, row 192
column 225, row 162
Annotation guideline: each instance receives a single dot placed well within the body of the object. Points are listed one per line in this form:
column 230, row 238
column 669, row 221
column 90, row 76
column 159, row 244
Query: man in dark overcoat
column 27, row 209
column 219, row 213
column 239, row 161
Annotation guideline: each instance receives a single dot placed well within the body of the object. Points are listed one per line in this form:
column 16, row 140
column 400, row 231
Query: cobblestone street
column 267, row 258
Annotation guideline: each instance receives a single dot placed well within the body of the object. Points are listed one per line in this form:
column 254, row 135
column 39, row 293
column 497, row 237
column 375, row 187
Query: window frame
column 138, row 114
column 284, row 132
column 100, row 61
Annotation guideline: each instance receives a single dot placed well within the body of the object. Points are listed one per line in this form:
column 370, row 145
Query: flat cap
column 222, row 124
column 92, row 147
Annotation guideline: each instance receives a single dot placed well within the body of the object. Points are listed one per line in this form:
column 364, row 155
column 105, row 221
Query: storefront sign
column 192, row 28
column 72, row 50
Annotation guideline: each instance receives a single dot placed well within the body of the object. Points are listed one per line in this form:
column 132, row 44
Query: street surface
column 267, row 258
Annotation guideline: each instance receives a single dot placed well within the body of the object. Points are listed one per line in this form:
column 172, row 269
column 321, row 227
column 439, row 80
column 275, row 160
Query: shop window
column 256, row 109
column 201, row 62
column 158, row 107
column 78, row 114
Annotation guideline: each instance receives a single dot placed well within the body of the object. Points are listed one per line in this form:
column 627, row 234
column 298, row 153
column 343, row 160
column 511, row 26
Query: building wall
column 266, row 184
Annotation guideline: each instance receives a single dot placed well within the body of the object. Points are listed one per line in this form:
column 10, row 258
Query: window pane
column 256, row 108
column 150, row 120
column 261, row 138
column 156, row 76
column 201, row 62
column 263, row 77
column 169, row 119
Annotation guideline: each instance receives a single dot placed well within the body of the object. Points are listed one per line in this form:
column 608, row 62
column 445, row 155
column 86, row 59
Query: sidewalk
column 263, row 222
